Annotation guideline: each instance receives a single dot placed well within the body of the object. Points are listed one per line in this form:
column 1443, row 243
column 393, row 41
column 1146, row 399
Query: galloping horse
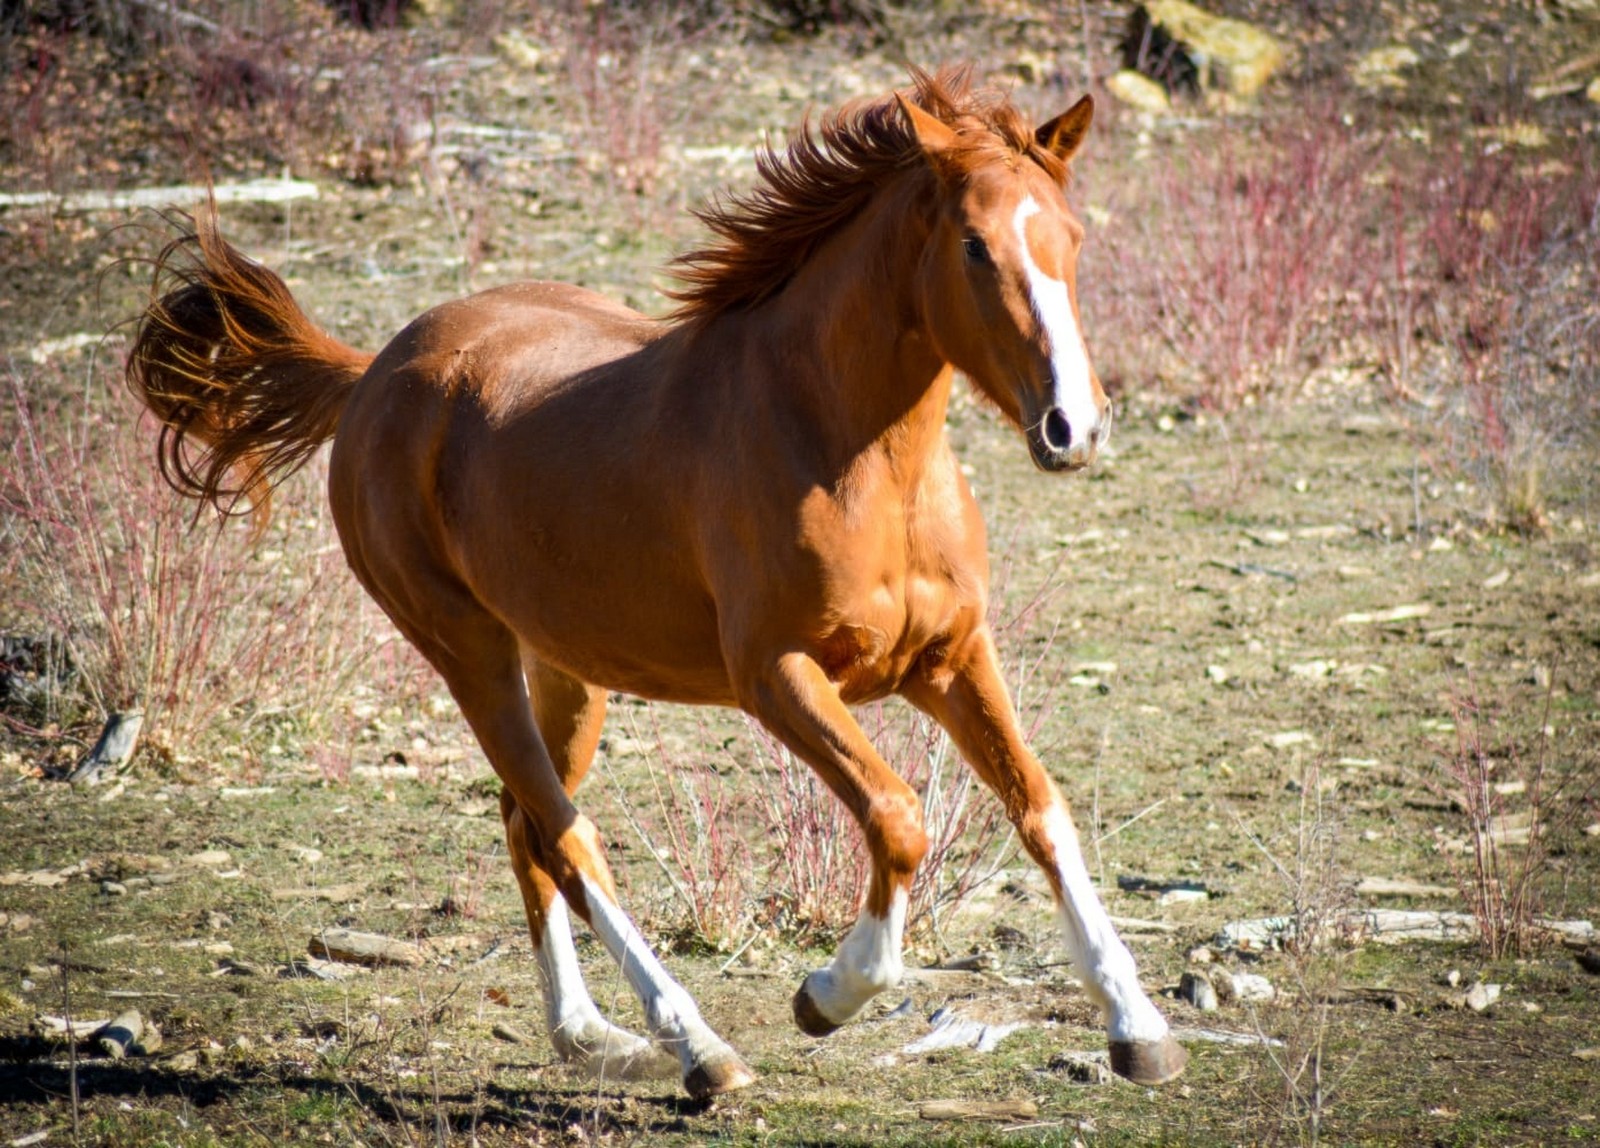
column 752, row 503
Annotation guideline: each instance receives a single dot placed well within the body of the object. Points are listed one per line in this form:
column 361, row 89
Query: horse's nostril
column 1057, row 431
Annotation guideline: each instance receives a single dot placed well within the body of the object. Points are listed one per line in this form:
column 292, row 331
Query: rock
column 1592, row 92
column 1216, row 675
column 1242, row 988
column 117, row 741
column 1199, row 955
column 1185, row 46
column 1197, row 989
column 1381, row 67
column 352, row 947
column 1139, row 92
column 1480, row 996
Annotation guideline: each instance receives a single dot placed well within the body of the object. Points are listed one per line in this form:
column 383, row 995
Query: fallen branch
column 79, row 202
column 355, row 948
column 1385, row 926
column 977, row 1110
column 1388, row 887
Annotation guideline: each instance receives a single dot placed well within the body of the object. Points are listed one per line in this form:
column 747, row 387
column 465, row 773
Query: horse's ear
column 932, row 133
column 1063, row 136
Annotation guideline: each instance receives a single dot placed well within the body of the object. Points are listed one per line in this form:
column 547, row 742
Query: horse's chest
column 871, row 649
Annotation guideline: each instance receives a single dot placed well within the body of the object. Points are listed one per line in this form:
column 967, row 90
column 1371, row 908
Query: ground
column 1254, row 644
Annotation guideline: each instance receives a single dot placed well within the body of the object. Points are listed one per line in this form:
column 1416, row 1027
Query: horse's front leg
column 966, row 695
column 795, row 700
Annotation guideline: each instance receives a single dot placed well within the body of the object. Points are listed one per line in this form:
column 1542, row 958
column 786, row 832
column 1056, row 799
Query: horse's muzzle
column 1058, row 445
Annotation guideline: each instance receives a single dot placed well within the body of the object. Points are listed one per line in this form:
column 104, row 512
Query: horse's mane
column 826, row 175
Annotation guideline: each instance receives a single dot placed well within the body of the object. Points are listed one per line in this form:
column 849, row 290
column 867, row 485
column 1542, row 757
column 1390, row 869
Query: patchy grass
column 1312, row 444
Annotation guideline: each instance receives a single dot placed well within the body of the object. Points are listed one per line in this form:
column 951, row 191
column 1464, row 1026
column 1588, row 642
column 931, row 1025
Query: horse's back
column 511, row 343
column 514, row 445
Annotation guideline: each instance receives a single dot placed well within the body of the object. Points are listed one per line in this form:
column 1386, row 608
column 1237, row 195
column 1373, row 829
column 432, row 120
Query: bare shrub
column 691, row 827
column 625, row 93
column 1514, row 808
column 1311, row 876
column 1237, row 252
column 215, row 639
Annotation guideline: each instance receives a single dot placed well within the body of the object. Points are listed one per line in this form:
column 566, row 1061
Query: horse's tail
column 246, row 387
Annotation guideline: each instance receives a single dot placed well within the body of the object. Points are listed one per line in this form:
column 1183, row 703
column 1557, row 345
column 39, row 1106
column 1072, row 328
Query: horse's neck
column 848, row 334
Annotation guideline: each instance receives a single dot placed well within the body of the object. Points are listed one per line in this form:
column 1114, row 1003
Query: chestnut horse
column 750, row 504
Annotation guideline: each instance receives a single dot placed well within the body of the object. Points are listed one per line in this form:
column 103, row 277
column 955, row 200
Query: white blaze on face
column 1069, row 360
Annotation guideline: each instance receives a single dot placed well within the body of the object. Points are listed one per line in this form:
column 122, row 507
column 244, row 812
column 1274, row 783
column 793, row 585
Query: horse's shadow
column 26, row 1081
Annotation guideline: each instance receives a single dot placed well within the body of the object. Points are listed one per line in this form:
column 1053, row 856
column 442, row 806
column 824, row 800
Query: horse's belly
column 665, row 649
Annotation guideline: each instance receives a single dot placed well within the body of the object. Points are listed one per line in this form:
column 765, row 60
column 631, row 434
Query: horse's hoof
column 808, row 1016
column 1148, row 1061
column 727, row 1075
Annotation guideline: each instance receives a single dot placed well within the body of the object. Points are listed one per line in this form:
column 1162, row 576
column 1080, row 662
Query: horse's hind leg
column 569, row 714
column 479, row 661
column 966, row 695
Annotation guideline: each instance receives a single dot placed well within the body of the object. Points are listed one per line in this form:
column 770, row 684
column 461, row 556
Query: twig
column 1151, row 808
column 179, row 16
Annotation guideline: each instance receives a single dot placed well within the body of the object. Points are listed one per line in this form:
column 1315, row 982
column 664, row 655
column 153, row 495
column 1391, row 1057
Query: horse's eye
column 976, row 250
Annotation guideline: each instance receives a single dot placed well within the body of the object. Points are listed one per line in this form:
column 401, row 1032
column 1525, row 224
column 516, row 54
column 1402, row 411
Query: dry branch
column 78, row 202
column 355, row 948
column 978, row 1110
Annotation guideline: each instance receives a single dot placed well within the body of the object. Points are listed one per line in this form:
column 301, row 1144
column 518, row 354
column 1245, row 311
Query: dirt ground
column 1252, row 647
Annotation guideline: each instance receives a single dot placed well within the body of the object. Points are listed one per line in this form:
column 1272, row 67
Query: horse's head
column 999, row 278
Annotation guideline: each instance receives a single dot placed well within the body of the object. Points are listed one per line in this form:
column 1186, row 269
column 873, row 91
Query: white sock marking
column 868, row 961
column 1069, row 360
column 669, row 1010
column 1096, row 951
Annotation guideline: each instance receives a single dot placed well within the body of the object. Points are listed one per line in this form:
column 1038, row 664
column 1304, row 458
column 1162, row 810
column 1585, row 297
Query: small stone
column 1140, row 93
column 1480, row 996
column 1243, row 988
column 1200, row 955
column 113, row 889
column 1289, row 738
column 1453, row 978
column 1197, row 989
column 1495, row 581
column 1216, row 675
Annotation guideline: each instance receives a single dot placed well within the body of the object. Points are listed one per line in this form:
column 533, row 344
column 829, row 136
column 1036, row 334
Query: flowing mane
column 825, row 176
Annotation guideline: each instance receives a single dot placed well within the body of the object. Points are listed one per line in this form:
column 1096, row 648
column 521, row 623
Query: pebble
column 1197, row 989
column 1243, row 988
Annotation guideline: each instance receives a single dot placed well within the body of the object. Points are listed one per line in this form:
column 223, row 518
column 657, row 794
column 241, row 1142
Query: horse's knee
column 894, row 831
